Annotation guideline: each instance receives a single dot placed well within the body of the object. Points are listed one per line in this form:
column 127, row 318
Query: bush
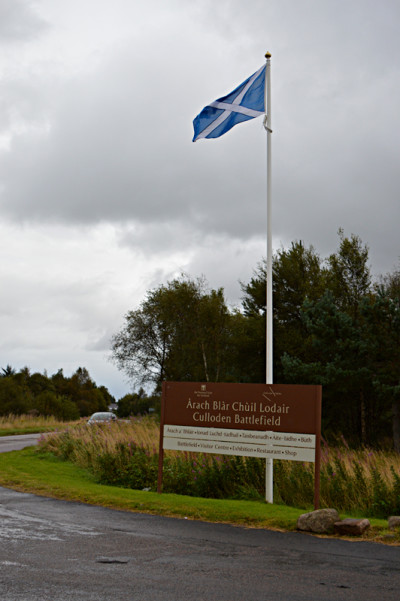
column 128, row 466
column 125, row 454
column 50, row 403
column 13, row 398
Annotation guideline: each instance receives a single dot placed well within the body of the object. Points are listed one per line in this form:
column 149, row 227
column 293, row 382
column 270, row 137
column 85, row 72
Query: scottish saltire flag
column 244, row 103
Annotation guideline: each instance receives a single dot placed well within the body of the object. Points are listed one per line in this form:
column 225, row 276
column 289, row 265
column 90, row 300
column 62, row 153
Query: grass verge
column 43, row 474
column 17, row 431
column 46, row 475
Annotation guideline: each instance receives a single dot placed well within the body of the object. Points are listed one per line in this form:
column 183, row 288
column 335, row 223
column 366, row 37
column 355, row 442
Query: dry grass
column 367, row 459
column 363, row 480
column 85, row 441
column 29, row 423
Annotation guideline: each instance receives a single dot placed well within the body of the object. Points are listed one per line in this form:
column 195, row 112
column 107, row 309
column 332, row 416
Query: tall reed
column 361, row 481
column 15, row 423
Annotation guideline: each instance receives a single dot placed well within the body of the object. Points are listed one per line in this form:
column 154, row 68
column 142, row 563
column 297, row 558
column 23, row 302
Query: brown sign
column 206, row 417
column 275, row 407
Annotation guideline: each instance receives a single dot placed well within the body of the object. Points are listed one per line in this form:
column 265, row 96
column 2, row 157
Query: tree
column 319, row 335
column 390, row 284
column 84, row 392
column 49, row 403
column 14, row 398
column 339, row 363
column 298, row 275
column 357, row 360
column 38, row 383
column 81, row 390
column 381, row 335
column 180, row 332
column 349, row 276
column 245, row 356
column 137, row 403
column 7, row 371
column 65, row 398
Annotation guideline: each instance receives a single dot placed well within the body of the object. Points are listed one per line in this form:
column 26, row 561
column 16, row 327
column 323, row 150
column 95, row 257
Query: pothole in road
column 112, row 560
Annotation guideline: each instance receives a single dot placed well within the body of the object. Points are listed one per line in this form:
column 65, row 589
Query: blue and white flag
column 246, row 102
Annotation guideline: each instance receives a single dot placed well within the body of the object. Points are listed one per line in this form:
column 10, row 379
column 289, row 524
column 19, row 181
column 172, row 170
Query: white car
column 102, row 417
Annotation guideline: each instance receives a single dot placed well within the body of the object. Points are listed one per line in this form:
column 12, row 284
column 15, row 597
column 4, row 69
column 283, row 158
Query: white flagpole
column 269, row 482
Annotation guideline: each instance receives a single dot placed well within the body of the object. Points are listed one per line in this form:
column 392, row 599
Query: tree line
column 332, row 326
column 67, row 398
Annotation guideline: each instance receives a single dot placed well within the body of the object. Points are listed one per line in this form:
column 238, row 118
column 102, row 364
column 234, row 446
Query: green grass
column 46, row 475
column 43, row 474
column 359, row 481
column 32, row 430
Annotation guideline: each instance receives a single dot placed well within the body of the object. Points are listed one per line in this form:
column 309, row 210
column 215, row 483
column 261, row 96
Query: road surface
column 53, row 550
column 18, row 442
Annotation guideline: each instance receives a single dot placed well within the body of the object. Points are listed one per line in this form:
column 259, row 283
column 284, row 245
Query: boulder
column 352, row 526
column 320, row 521
column 394, row 522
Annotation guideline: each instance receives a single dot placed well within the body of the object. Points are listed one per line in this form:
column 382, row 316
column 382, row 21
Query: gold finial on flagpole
column 267, row 55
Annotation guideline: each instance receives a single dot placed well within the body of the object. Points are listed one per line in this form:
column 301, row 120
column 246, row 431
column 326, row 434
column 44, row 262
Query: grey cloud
column 101, row 134
column 19, row 21
column 115, row 152
column 119, row 150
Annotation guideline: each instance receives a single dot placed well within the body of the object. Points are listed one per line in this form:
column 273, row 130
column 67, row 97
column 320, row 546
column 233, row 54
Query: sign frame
column 211, row 409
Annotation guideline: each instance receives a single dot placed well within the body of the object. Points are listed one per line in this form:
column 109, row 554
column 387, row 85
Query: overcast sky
column 103, row 195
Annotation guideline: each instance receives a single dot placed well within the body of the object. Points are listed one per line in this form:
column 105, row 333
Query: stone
column 320, row 521
column 352, row 526
column 394, row 522
column 388, row 537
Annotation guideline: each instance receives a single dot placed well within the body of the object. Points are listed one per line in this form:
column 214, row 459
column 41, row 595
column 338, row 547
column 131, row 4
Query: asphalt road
column 53, row 550
column 18, row 442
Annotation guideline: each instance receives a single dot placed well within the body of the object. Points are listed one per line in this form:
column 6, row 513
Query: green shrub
column 125, row 454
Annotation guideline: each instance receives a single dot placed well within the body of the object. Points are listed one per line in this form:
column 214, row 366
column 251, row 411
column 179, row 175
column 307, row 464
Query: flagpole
column 269, row 482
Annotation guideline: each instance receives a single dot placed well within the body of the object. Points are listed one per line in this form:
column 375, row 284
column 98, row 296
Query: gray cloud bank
column 96, row 118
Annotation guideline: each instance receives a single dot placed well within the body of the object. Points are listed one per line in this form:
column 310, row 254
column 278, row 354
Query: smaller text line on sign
column 296, row 447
